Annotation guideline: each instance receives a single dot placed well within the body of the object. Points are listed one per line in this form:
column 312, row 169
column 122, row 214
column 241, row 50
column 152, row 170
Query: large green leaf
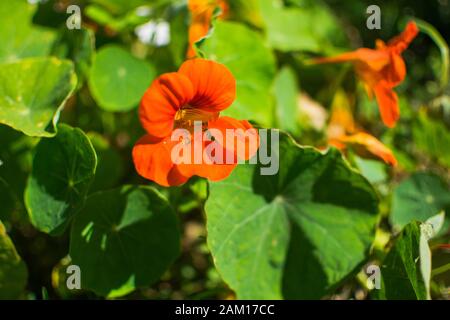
column 296, row 234
column 406, row 270
column 252, row 64
column 13, row 272
column 18, row 37
column 63, row 168
column 33, row 92
column 419, row 197
column 124, row 239
column 118, row 80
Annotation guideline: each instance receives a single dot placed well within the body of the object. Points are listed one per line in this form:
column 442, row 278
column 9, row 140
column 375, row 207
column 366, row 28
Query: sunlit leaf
column 18, row 37
column 33, row 92
column 296, row 234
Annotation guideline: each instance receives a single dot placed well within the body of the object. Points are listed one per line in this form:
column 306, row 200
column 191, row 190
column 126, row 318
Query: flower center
column 187, row 115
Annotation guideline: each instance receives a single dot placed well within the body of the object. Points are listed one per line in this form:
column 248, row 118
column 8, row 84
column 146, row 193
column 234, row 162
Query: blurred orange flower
column 201, row 15
column 197, row 93
column 343, row 133
column 381, row 70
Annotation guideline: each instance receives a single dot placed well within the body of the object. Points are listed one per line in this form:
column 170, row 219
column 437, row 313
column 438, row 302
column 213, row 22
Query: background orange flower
column 201, row 16
column 381, row 70
column 343, row 133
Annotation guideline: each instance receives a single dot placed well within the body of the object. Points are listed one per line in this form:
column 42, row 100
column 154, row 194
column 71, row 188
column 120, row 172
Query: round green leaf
column 63, row 168
column 419, row 197
column 118, row 80
column 252, row 64
column 13, row 271
column 124, row 239
column 33, row 92
column 297, row 234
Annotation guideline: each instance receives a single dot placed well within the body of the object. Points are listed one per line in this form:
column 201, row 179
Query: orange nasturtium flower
column 381, row 70
column 343, row 133
column 202, row 12
column 197, row 93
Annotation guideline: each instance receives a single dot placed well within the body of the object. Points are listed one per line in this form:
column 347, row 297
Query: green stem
column 442, row 45
column 441, row 269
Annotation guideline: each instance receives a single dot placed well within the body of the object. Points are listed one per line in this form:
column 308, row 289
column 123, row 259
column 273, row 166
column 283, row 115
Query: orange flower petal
column 245, row 140
column 152, row 159
column 160, row 102
column 341, row 118
column 201, row 16
column 214, row 85
column 388, row 104
column 402, row 41
column 242, row 148
column 375, row 59
column 368, row 146
column 395, row 72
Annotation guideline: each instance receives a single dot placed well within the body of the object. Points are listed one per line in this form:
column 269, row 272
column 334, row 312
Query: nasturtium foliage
column 78, row 46
column 433, row 138
column 13, row 271
column 311, row 28
column 7, row 200
column 118, row 79
column 374, row 171
column 419, row 197
column 121, row 6
column 296, row 234
column 286, row 95
column 124, row 239
column 33, row 91
column 19, row 38
column 63, row 169
column 406, row 270
column 252, row 64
